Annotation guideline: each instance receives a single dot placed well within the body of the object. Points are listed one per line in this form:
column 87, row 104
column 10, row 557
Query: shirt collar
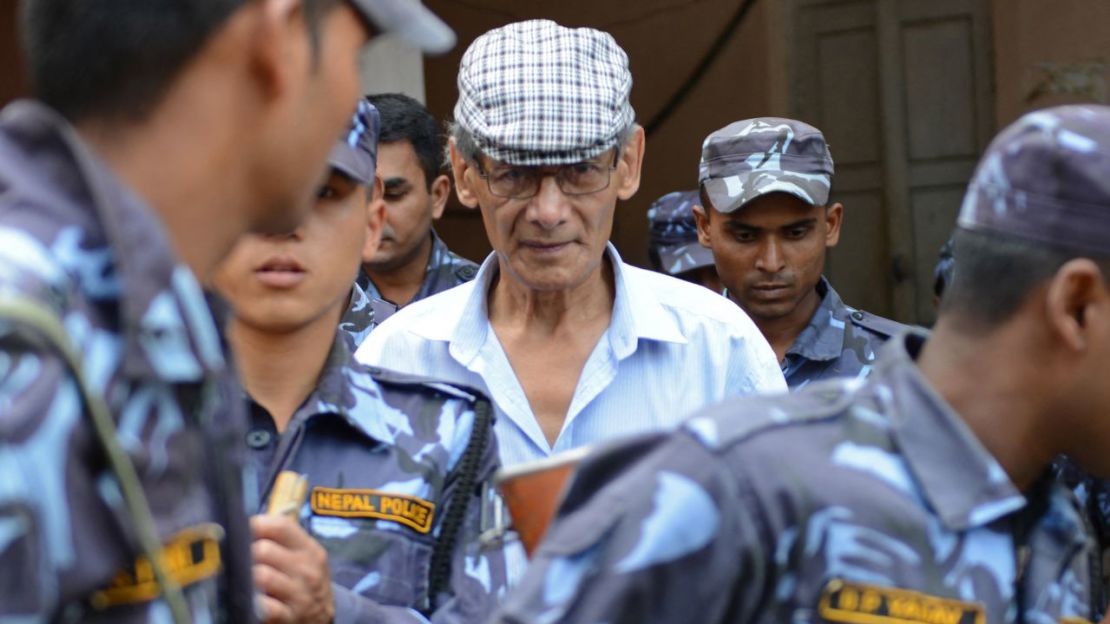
column 168, row 329
column 637, row 314
column 359, row 319
column 960, row 479
column 822, row 339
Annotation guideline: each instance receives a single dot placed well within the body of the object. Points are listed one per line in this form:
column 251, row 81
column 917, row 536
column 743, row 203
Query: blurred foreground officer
column 673, row 246
column 767, row 217
column 412, row 262
column 573, row 345
column 394, row 463
column 164, row 131
column 922, row 494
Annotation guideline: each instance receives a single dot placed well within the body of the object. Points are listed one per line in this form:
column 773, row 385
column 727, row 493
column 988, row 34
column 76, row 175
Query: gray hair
column 467, row 145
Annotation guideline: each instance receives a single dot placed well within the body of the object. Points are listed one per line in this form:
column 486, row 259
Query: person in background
column 921, row 493
column 942, row 273
column 160, row 133
column 412, row 262
column 673, row 246
column 395, row 464
column 767, row 216
column 573, row 345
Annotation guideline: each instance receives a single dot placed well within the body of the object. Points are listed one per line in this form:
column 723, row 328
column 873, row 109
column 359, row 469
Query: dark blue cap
column 356, row 152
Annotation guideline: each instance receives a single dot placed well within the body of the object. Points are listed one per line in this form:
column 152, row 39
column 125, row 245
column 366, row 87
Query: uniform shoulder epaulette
column 876, row 324
column 394, row 378
column 741, row 418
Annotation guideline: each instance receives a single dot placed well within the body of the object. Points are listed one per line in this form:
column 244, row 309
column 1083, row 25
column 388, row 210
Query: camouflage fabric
column 380, row 451
column 839, row 341
column 1094, row 498
column 363, row 315
column 945, row 268
column 1011, row 195
column 673, row 233
column 446, row 270
column 754, row 157
column 75, row 239
column 849, row 501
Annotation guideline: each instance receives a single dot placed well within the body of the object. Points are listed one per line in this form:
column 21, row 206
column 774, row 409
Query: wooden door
column 901, row 89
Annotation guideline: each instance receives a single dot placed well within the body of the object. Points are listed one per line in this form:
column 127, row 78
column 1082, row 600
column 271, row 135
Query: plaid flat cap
column 754, row 157
column 1044, row 179
column 673, row 233
column 536, row 93
column 356, row 152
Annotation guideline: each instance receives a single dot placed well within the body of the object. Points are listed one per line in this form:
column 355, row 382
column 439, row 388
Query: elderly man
column 572, row 345
column 162, row 132
column 919, row 494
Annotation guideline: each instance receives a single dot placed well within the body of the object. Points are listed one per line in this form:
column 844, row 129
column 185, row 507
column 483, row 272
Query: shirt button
column 857, row 315
column 258, row 439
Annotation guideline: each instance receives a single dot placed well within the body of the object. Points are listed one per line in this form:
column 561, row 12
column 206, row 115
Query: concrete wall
column 665, row 39
column 1049, row 52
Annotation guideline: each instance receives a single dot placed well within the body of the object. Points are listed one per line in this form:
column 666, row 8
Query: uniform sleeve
column 39, row 410
column 352, row 608
column 667, row 540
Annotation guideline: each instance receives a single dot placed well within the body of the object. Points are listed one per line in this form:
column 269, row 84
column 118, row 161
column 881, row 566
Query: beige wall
column 1049, row 52
column 665, row 39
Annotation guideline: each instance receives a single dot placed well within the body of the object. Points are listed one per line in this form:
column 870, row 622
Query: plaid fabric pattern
column 536, row 93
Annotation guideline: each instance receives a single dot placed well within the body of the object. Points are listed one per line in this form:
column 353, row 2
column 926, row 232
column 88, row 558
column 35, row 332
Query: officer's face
column 410, row 206
column 281, row 283
column 770, row 254
column 552, row 241
column 311, row 103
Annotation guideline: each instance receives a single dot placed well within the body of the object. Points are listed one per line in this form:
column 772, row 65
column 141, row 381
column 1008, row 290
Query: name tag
column 842, row 601
column 190, row 556
column 415, row 513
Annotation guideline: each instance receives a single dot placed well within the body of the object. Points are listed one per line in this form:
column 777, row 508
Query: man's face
column 313, row 97
column 280, row 283
column 410, row 205
column 771, row 252
column 551, row 241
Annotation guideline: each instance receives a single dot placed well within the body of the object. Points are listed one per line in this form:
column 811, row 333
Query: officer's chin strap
column 34, row 315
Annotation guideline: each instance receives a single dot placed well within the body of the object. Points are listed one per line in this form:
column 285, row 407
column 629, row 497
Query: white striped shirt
column 671, row 347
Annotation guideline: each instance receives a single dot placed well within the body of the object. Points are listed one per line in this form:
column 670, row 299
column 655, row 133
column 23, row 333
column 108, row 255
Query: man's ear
column 375, row 222
column 441, row 190
column 280, row 48
column 701, row 218
column 1076, row 299
column 631, row 164
column 834, row 217
column 465, row 175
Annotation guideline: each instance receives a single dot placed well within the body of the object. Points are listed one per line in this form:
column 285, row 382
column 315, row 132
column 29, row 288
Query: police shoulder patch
column 858, row 603
column 415, row 513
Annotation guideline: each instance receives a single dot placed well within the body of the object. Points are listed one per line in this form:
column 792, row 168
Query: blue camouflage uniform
column 384, row 454
column 446, row 269
column 839, row 341
column 886, row 509
column 673, row 234
column 363, row 314
column 75, row 239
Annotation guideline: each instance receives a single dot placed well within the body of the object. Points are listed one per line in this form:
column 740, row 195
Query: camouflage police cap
column 356, row 152
column 755, row 157
column 410, row 21
column 1044, row 179
column 673, row 234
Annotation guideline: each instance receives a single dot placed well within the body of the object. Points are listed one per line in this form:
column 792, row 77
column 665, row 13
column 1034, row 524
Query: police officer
column 673, row 246
column 921, row 494
column 395, row 464
column 767, row 216
column 412, row 262
column 161, row 133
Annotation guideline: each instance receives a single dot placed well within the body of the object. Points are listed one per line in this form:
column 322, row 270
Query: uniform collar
column 166, row 325
column 822, row 339
column 360, row 318
column 346, row 389
column 637, row 314
column 960, row 479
